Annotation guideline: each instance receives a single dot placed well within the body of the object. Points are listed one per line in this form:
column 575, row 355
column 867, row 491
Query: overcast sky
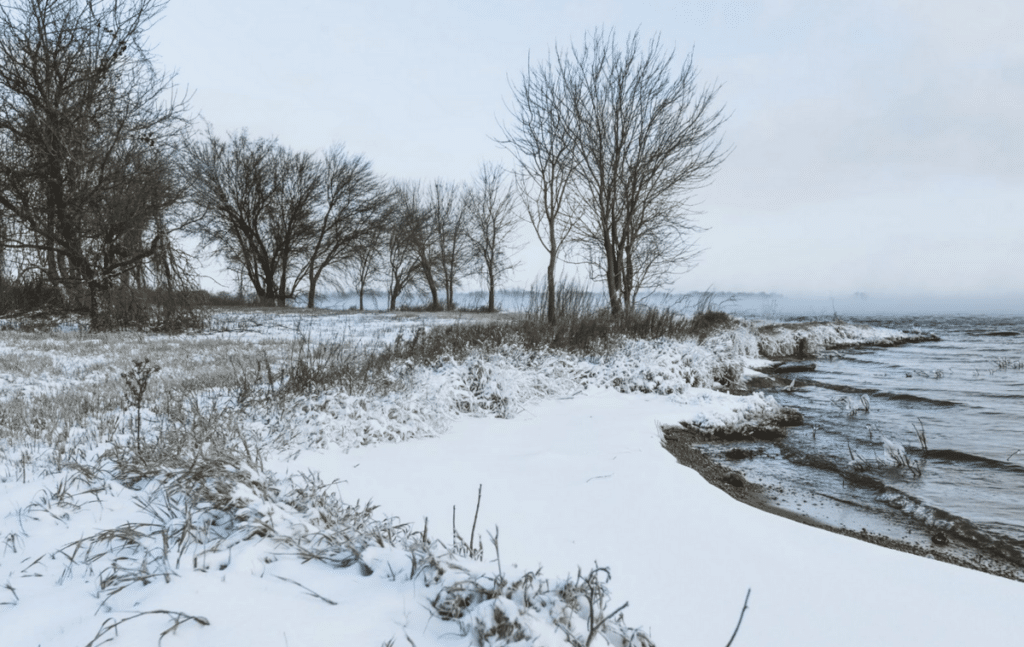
column 877, row 146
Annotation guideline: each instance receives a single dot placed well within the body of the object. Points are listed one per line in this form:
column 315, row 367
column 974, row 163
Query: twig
column 178, row 618
column 13, row 592
column 497, row 551
column 307, row 590
column 740, row 621
column 921, row 435
column 597, row 627
column 472, row 531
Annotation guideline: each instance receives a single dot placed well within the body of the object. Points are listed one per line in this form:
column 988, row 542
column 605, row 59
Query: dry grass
column 93, row 408
column 53, row 382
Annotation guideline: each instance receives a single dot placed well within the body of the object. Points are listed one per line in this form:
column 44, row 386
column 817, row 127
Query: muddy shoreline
column 680, row 442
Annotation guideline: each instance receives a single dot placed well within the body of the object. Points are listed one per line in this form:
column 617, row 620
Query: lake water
column 966, row 392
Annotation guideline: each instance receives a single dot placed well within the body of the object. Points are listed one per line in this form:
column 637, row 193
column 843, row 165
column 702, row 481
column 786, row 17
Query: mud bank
column 806, row 506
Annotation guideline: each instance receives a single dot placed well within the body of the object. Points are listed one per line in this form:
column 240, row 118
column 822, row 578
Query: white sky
column 878, row 146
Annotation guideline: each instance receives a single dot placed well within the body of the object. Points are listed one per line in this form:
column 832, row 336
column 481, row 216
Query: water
column 967, row 391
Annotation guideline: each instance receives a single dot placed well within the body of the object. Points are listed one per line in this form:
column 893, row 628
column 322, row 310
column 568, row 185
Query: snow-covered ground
column 569, row 482
column 565, row 452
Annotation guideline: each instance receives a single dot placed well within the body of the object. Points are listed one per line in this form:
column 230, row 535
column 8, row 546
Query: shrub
column 157, row 310
column 705, row 323
column 224, row 299
column 34, row 294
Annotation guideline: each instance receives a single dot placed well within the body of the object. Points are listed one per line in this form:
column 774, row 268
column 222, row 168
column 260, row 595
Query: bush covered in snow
column 743, row 416
column 811, row 339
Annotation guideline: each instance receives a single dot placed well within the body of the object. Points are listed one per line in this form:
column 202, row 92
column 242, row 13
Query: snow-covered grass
column 228, row 501
column 810, row 339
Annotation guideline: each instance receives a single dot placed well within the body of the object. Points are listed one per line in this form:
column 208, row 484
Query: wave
column 936, row 519
column 874, row 393
column 931, row 518
column 825, row 463
column 907, row 397
column 957, row 456
column 842, row 388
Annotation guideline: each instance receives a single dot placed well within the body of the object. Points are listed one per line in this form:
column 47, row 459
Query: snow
column 567, row 454
column 570, row 482
column 780, row 340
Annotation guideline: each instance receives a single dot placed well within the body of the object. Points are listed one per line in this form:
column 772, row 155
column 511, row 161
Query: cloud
column 866, row 93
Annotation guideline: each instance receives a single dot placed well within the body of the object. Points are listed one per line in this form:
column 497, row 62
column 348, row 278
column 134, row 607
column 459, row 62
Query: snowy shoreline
column 921, row 530
column 572, row 481
column 573, row 476
column 831, row 513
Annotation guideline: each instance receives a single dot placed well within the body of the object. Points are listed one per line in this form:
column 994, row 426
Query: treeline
column 286, row 221
column 103, row 176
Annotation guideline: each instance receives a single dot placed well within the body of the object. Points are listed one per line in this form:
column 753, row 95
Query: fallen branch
column 740, row 621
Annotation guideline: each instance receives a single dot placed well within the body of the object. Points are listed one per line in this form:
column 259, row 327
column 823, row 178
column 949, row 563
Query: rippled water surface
column 966, row 391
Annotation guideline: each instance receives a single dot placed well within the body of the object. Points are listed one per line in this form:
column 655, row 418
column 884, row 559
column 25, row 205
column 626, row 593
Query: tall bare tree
column 540, row 139
column 257, row 201
column 294, row 219
column 448, row 223
column 416, row 230
column 644, row 138
column 350, row 210
column 402, row 256
column 493, row 220
column 89, row 130
column 366, row 263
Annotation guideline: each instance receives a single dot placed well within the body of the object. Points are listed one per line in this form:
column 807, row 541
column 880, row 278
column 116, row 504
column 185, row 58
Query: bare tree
column 366, row 261
column 89, row 130
column 540, row 140
column 350, row 211
column 417, row 230
column 493, row 220
column 448, row 222
column 232, row 187
column 643, row 138
column 256, row 199
column 402, row 253
column 299, row 182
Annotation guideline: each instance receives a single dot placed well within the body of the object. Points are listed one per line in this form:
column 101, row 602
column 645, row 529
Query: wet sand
column 832, row 513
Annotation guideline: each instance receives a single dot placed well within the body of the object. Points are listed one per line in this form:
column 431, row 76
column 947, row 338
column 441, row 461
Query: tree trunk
column 99, row 316
column 311, row 301
column 490, row 293
column 361, row 290
column 611, row 275
column 551, row 288
column 282, row 289
column 449, row 296
column 435, row 302
column 94, row 307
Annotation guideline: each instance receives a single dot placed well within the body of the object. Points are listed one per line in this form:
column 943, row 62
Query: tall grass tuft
column 921, row 437
column 136, row 382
